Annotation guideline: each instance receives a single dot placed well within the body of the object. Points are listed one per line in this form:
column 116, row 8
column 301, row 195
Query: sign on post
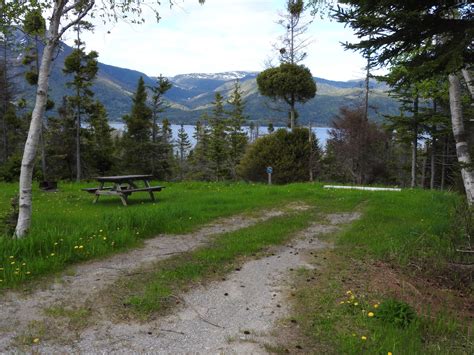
column 269, row 172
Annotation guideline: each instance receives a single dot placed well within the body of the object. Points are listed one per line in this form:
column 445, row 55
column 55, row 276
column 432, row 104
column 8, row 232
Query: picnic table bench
column 123, row 186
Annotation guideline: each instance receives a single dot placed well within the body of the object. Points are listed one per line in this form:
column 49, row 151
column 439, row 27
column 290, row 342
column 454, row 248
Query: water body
column 322, row 133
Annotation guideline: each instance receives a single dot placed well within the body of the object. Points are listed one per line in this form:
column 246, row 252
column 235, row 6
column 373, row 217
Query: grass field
column 411, row 233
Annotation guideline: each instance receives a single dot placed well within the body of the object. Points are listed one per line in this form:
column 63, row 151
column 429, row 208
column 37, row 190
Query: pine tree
column 137, row 138
column 218, row 149
column 183, row 146
column 235, row 134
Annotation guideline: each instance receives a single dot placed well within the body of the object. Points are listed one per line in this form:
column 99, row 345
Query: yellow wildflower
column 52, row 254
column 75, row 246
column 12, row 263
column 389, row 353
column 356, row 303
column 105, row 238
column 36, row 340
column 81, row 246
column 352, row 297
column 348, row 292
column 370, row 314
column 28, row 272
column 11, row 256
column 376, row 305
column 342, row 302
column 363, row 337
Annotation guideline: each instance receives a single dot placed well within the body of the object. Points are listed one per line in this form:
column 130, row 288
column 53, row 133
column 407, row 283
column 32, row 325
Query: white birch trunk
column 31, row 145
column 462, row 150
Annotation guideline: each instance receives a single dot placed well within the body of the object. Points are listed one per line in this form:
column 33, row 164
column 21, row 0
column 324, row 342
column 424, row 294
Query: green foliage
column 237, row 138
column 199, row 156
column 218, row 148
column 288, row 153
column 34, row 23
column 183, row 146
column 397, row 313
column 290, row 82
column 410, row 31
column 136, row 143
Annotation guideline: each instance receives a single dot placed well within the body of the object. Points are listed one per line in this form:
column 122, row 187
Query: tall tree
column 235, row 134
column 84, row 68
column 218, row 150
column 160, row 147
column 427, row 37
column 137, row 138
column 293, row 42
column 199, row 156
column 64, row 14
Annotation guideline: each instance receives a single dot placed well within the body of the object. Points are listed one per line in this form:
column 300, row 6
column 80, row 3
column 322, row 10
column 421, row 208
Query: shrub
column 288, row 153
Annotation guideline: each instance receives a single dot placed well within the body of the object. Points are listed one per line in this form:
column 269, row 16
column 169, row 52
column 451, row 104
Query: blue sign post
column 269, row 172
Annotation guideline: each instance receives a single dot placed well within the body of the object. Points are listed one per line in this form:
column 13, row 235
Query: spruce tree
column 218, row 149
column 183, row 146
column 199, row 156
column 236, row 136
column 137, row 137
column 84, row 68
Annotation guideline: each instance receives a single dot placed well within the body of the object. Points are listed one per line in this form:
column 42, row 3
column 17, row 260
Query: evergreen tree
column 235, row 134
column 183, row 146
column 100, row 150
column 218, row 149
column 84, row 69
column 199, row 156
column 137, row 137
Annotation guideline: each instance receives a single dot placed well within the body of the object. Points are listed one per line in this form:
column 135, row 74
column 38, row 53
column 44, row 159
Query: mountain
column 192, row 94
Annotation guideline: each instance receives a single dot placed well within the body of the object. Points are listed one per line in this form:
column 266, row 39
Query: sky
column 219, row 36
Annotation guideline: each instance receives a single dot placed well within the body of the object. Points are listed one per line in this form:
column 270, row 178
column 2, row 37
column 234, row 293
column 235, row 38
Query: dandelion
column 12, row 263
column 352, row 297
column 100, row 231
column 28, row 272
column 36, row 340
column 11, row 256
column 52, row 254
column 389, row 353
column 342, row 302
column 81, row 246
column 56, row 243
column 24, row 264
column 356, row 303
column 376, row 305
column 363, row 337
column 370, row 314
column 105, row 238
column 348, row 292
column 76, row 246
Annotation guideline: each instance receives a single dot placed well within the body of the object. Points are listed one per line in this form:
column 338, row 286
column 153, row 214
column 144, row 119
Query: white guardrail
column 362, row 188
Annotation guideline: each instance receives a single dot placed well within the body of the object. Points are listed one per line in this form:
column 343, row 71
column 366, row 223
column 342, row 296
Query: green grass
column 67, row 228
column 411, row 232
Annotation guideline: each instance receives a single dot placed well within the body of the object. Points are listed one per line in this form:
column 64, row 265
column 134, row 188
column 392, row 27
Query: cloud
column 218, row 36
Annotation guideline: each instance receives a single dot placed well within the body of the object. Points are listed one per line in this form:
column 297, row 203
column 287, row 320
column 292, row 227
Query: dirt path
column 236, row 315
column 18, row 311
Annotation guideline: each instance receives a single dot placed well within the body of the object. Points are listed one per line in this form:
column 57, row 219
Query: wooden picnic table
column 123, row 186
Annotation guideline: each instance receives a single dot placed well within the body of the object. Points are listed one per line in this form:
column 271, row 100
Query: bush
column 288, row 153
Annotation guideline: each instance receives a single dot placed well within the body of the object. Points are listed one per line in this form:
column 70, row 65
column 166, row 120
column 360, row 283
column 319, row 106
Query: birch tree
column 61, row 16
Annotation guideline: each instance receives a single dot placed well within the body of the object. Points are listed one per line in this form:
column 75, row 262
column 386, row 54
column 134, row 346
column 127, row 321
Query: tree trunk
column 469, row 82
column 31, row 145
column 462, row 150
column 433, row 164
column 423, row 169
column 414, row 151
column 311, row 178
column 443, row 162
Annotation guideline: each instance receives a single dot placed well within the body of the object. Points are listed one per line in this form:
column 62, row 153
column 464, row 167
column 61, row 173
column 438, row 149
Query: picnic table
column 123, row 186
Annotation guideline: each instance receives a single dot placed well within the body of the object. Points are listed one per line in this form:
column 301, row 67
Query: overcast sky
column 222, row 35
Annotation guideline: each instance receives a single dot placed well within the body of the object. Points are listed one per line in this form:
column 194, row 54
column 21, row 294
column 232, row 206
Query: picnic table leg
column 98, row 195
column 147, row 184
column 122, row 196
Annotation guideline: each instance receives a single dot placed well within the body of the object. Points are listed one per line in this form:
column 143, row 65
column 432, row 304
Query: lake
column 321, row 133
